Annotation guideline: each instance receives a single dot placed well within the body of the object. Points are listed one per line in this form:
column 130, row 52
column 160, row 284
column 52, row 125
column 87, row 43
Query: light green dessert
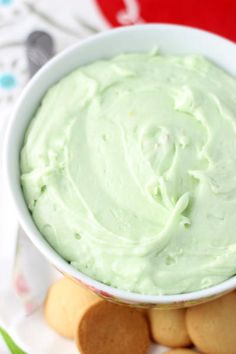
column 129, row 170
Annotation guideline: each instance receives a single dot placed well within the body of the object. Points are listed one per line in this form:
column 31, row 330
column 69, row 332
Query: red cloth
column 218, row 16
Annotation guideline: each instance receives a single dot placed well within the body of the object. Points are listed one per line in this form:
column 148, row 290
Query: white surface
column 52, row 342
column 169, row 39
column 28, row 331
column 3, row 347
column 76, row 19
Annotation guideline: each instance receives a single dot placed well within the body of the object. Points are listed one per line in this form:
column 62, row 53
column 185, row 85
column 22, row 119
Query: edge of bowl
column 36, row 237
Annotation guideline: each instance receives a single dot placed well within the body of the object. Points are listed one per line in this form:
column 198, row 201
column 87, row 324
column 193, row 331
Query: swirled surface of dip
column 129, row 170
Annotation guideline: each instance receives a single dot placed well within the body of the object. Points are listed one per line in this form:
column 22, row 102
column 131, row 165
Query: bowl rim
column 36, row 237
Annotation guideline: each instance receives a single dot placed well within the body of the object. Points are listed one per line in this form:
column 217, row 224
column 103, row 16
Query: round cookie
column 180, row 351
column 212, row 326
column 168, row 327
column 107, row 328
column 64, row 303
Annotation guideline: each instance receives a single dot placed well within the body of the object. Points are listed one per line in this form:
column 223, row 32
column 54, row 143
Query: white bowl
column 170, row 39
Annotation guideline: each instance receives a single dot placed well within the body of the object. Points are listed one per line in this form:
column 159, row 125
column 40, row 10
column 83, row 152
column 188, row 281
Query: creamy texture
column 129, row 170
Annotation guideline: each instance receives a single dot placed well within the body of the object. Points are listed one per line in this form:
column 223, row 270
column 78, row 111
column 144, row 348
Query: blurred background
column 69, row 21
